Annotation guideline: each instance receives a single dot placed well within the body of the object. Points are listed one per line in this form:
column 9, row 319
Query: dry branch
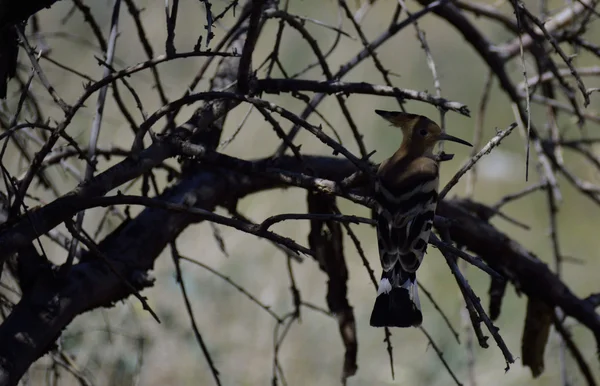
column 329, row 253
column 528, row 273
column 105, row 273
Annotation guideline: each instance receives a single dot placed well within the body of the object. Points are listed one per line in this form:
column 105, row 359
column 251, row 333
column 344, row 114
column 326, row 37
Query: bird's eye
column 423, row 132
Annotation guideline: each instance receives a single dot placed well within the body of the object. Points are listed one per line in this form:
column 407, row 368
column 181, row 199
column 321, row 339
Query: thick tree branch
column 138, row 245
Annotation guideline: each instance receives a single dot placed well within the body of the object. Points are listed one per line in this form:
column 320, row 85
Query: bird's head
column 420, row 134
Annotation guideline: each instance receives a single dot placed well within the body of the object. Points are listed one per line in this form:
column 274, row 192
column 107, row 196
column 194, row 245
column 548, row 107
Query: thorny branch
column 40, row 294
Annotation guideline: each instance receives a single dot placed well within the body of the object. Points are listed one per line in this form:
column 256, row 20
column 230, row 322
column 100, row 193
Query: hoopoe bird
column 406, row 190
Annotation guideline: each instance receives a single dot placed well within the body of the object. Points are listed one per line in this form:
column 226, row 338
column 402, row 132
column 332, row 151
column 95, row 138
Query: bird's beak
column 448, row 137
column 386, row 114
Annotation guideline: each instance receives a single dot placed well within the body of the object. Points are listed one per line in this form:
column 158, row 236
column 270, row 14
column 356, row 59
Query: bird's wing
column 407, row 199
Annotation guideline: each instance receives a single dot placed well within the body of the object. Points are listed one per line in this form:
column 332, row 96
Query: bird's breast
column 412, row 200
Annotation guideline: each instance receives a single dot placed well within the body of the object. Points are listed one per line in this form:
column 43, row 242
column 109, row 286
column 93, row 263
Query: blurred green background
column 124, row 345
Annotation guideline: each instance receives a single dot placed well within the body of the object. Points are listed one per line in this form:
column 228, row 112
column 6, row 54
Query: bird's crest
column 420, row 134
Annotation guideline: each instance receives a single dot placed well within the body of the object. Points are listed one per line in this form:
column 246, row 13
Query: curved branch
column 52, row 304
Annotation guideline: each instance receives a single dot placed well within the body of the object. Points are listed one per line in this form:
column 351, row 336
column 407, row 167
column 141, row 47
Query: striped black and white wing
column 407, row 199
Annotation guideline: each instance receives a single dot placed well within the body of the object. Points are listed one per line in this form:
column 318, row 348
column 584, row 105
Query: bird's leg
column 355, row 180
column 441, row 157
column 359, row 178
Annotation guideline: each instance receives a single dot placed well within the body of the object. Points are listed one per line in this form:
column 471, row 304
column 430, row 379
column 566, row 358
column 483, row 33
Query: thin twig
column 558, row 50
column 575, row 352
column 236, row 286
column 243, row 73
column 495, row 141
column 40, row 73
column 439, row 310
column 188, row 305
column 477, row 262
column 527, row 93
column 477, row 135
column 440, row 355
column 97, row 122
column 269, row 222
column 274, row 85
column 517, row 195
column 472, row 297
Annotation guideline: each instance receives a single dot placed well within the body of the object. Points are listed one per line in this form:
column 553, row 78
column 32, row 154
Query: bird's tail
column 397, row 303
